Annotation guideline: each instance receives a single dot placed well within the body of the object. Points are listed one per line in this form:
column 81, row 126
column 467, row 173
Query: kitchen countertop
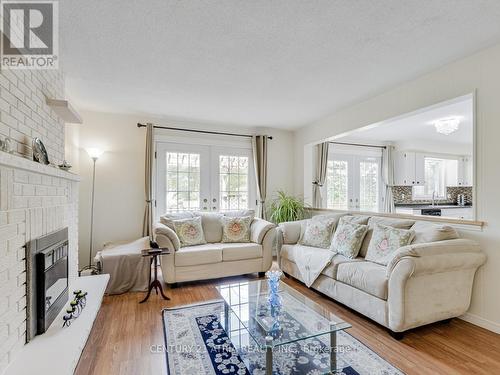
column 418, row 206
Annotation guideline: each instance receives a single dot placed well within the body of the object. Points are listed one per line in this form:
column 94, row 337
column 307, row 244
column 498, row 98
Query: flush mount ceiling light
column 447, row 125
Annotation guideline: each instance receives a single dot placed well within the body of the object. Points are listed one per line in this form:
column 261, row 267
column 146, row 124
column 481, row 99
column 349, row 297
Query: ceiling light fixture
column 447, row 125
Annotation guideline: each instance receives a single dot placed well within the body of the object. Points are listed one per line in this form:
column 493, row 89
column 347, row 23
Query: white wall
column 119, row 193
column 479, row 72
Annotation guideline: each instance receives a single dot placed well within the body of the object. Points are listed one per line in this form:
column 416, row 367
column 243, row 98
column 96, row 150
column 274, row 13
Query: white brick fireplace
column 34, row 199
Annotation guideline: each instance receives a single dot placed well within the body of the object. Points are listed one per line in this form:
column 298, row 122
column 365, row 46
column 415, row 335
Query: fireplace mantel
column 18, row 162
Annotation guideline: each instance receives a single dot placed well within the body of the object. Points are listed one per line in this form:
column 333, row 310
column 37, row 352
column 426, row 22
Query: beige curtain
column 319, row 181
column 147, row 229
column 259, row 146
column 388, row 176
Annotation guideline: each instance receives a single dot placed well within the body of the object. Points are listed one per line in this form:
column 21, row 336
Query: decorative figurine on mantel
column 65, row 166
column 75, row 307
column 39, row 152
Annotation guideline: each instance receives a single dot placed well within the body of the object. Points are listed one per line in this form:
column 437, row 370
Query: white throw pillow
column 385, row 241
column 190, row 231
column 236, row 229
column 348, row 238
column 318, row 233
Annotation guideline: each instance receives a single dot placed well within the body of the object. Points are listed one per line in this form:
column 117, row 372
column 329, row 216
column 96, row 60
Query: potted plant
column 286, row 208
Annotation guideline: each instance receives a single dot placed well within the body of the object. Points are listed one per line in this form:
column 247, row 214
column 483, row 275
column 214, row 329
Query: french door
column 203, row 178
column 354, row 183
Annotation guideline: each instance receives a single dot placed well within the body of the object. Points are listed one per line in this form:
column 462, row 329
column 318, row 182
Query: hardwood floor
column 122, row 336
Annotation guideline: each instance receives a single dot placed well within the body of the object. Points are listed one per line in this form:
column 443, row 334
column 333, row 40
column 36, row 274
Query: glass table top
column 296, row 318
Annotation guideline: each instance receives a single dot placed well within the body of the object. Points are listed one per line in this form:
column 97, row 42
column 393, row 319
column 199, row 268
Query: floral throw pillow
column 385, row 241
column 318, row 233
column 236, row 229
column 348, row 238
column 190, row 231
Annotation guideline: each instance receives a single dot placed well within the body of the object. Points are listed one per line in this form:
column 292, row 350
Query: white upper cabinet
column 409, row 168
column 419, row 169
column 465, row 176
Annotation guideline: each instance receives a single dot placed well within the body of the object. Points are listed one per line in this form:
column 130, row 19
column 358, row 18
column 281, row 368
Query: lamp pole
column 91, row 250
column 90, row 266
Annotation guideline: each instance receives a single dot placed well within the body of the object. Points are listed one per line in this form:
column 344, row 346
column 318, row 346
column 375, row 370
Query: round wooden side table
column 154, row 253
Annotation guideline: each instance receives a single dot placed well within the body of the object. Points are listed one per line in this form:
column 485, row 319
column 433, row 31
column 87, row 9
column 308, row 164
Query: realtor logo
column 29, row 34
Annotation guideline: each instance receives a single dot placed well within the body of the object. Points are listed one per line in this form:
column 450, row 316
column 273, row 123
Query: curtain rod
column 356, row 144
column 139, row 125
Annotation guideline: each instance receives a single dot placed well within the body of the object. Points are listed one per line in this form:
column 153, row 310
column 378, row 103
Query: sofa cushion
column 332, row 268
column 236, row 229
column 240, row 251
column 386, row 241
column 318, row 233
column 387, row 221
column 366, row 276
column 190, row 231
column 426, row 232
column 200, row 254
column 348, row 238
column 212, row 226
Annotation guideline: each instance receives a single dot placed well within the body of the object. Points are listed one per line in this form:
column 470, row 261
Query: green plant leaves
column 286, row 208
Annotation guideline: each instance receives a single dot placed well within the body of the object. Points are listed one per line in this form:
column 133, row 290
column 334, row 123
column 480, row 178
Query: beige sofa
column 216, row 259
column 427, row 281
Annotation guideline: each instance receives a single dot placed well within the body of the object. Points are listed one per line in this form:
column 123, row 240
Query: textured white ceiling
column 280, row 63
column 418, row 127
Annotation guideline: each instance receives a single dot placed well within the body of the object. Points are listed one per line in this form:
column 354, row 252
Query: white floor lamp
column 94, row 154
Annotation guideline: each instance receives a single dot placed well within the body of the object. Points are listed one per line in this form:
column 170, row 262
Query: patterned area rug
column 196, row 342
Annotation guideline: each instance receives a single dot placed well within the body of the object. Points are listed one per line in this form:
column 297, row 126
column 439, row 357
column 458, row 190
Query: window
column 353, row 182
column 337, row 184
column 202, row 177
column 439, row 173
column 233, row 175
column 183, row 181
column 369, row 176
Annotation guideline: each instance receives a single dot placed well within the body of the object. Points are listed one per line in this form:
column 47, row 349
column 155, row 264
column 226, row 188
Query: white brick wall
column 24, row 114
column 34, row 199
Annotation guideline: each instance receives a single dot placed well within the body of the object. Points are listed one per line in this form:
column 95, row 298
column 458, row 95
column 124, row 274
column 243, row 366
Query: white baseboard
column 481, row 322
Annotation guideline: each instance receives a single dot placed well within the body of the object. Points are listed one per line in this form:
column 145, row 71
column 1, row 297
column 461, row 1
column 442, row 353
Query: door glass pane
column 336, row 181
column 368, row 185
column 233, row 182
column 183, row 181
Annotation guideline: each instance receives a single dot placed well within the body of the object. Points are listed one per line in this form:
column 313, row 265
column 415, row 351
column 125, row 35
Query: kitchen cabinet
column 466, row 213
column 465, row 177
column 405, row 210
column 409, row 168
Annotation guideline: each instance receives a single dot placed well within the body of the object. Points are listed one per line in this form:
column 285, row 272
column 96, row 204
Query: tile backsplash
column 403, row 195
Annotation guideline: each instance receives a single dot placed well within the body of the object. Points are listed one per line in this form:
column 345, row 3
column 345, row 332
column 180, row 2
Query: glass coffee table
column 298, row 319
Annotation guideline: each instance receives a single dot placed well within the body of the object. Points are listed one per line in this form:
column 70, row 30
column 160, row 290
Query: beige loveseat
column 216, row 259
column 427, row 281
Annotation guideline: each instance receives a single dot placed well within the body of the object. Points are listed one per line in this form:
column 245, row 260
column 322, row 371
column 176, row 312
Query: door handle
column 214, row 200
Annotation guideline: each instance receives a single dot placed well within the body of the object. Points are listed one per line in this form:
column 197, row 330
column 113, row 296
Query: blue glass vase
column 274, row 299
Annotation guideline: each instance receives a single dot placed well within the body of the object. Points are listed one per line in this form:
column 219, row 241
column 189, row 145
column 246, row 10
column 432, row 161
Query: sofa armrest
column 430, row 288
column 447, row 247
column 166, row 237
column 291, row 231
column 258, row 230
